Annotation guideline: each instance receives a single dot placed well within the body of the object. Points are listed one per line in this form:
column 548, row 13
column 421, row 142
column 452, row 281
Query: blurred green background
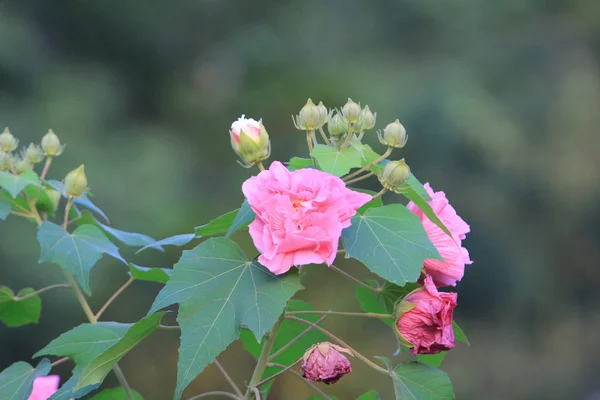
column 501, row 100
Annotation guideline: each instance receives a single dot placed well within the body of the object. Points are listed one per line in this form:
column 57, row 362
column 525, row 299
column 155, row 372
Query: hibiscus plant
column 300, row 214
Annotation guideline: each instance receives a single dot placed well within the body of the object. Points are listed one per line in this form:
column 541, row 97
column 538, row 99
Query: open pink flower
column 44, row 387
column 427, row 327
column 299, row 215
column 452, row 269
column 324, row 362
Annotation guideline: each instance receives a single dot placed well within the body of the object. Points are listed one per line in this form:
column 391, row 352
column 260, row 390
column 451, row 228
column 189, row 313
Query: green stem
column 228, row 378
column 349, row 137
column 324, row 136
column 260, row 166
column 309, row 140
column 353, row 279
column 341, row 343
column 67, row 210
column 46, row 167
column 113, row 297
column 279, row 373
column 360, row 178
column 347, row 314
column 366, row 167
column 39, row 291
column 123, row 381
column 215, row 393
column 263, row 359
column 380, row 193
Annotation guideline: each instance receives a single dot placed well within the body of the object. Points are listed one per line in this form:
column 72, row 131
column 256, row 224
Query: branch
column 215, row 393
column 42, row 290
column 341, row 343
column 60, row 361
column 278, row 373
column 228, row 377
column 294, row 340
column 360, row 178
column 348, row 314
column 353, row 279
column 366, row 167
column 309, row 383
column 114, row 297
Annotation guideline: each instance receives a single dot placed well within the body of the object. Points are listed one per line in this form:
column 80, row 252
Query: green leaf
column 132, row 239
column 83, row 201
column 217, row 226
column 4, row 208
column 160, row 275
column 371, row 395
column 16, row 184
column 336, row 162
column 300, row 163
column 116, row 394
column 366, row 152
column 371, row 301
column 177, row 240
column 16, row 381
column 415, row 380
column 433, row 360
column 18, row 313
column 459, row 334
column 218, row 291
column 242, row 219
column 83, row 344
column 288, row 330
column 390, row 241
column 98, row 368
column 76, row 252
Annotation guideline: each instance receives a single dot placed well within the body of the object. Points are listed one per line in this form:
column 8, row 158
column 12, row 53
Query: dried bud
column 394, row 135
column 367, row 119
column 324, row 362
column 336, row 125
column 22, row 165
column 310, row 117
column 49, row 203
column 250, row 140
column 8, row 143
column 33, row 154
column 76, row 182
column 51, row 144
column 351, row 111
column 394, row 174
column 324, row 113
column 5, row 161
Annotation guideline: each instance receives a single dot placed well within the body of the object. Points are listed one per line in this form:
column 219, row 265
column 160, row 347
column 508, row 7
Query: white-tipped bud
column 394, row 175
column 8, row 143
column 367, row 119
column 33, row 154
column 76, row 182
column 250, row 140
column 351, row 111
column 51, row 144
column 394, row 135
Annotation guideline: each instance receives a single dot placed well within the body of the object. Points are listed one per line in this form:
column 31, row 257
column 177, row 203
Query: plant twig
column 20, row 214
column 380, row 193
column 263, row 359
column 260, row 166
column 215, row 393
column 366, row 167
column 123, row 381
column 347, row 314
column 46, row 167
column 324, row 136
column 309, row 383
column 360, row 178
column 278, row 373
column 228, row 378
column 294, row 340
column 353, row 279
column 169, row 327
column 349, row 137
column 59, row 361
column 114, row 297
column 341, row 343
column 67, row 209
column 42, row 290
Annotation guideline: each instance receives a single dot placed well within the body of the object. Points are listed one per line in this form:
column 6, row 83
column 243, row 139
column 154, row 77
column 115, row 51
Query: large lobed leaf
column 76, row 252
column 16, row 381
column 15, row 313
column 390, row 241
column 417, row 381
column 219, row 291
column 159, row 275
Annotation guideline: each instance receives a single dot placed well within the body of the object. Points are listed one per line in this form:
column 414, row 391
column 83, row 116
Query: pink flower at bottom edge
column 44, row 387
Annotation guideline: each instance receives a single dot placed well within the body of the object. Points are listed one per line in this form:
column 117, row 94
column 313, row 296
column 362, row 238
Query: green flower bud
column 367, row 119
column 49, row 203
column 394, row 175
column 22, row 165
column 351, row 111
column 33, row 154
column 8, row 143
column 76, row 182
column 394, row 135
column 310, row 117
column 5, row 161
column 51, row 144
column 324, row 113
column 336, row 125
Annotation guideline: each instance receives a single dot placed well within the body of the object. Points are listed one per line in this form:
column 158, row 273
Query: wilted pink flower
column 427, row 325
column 249, row 126
column 324, row 362
column 452, row 269
column 300, row 215
column 44, row 387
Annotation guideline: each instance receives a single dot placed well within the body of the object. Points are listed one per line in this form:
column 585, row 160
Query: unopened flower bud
column 22, row 165
column 337, row 126
column 394, row 135
column 394, row 175
column 351, row 111
column 310, row 117
column 8, row 143
column 51, row 144
column 250, row 140
column 5, row 161
column 76, row 182
column 324, row 113
column 367, row 119
column 324, row 362
column 50, row 202
column 33, row 154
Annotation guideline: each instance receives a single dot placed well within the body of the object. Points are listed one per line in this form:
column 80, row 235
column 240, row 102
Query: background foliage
column 500, row 101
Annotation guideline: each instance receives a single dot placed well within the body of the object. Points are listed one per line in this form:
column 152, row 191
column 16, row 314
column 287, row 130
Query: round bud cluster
column 336, row 125
column 351, row 111
column 394, row 135
column 394, row 175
